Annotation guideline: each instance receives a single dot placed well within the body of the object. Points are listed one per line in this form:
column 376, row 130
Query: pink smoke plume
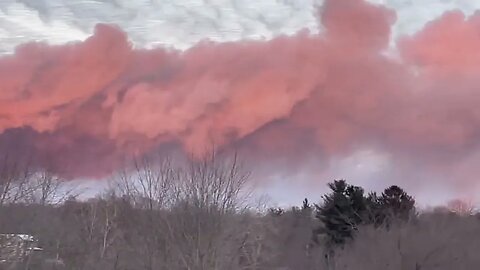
column 80, row 107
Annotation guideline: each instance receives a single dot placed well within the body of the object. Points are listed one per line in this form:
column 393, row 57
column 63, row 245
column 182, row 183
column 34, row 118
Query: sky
column 182, row 23
column 378, row 92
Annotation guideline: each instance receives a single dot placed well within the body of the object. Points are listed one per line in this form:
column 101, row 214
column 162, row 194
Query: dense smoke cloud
column 79, row 108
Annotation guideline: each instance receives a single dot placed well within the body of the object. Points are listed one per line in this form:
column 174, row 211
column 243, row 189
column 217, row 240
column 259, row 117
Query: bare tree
column 461, row 207
column 14, row 177
column 216, row 182
column 201, row 225
column 436, row 241
column 44, row 188
column 149, row 183
column 189, row 209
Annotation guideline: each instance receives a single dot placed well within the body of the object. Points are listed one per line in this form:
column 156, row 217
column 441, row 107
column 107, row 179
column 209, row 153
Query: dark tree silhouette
column 396, row 203
column 346, row 207
column 375, row 214
column 306, row 205
column 341, row 211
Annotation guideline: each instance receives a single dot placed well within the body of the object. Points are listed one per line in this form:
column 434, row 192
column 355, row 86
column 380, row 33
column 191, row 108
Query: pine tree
column 305, row 204
column 341, row 212
column 375, row 214
column 346, row 207
column 396, row 203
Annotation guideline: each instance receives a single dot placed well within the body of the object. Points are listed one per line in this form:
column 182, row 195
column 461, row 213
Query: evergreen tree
column 306, row 204
column 341, row 211
column 375, row 214
column 346, row 207
column 396, row 203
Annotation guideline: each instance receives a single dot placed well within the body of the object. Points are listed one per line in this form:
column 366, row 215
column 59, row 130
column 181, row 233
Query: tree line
column 198, row 215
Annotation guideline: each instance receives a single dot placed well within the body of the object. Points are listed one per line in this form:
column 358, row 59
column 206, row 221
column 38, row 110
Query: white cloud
column 182, row 23
column 19, row 24
column 412, row 15
column 177, row 23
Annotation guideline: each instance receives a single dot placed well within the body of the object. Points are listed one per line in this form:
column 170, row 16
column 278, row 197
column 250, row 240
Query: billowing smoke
column 80, row 108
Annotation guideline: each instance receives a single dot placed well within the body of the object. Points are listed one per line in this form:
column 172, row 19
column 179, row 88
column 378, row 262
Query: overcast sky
column 182, row 23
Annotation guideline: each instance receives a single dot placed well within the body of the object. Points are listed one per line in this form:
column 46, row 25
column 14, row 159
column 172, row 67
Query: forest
column 199, row 215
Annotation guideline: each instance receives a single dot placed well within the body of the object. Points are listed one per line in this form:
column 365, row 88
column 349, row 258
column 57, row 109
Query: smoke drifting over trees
column 79, row 108
column 196, row 215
